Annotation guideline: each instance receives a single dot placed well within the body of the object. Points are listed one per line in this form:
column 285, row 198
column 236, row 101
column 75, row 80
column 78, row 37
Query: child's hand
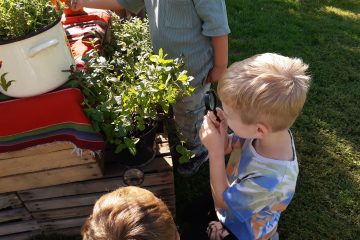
column 215, row 74
column 74, row 5
column 212, row 133
column 221, row 115
column 227, row 142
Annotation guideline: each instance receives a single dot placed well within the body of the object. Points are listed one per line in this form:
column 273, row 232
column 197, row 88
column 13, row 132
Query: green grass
column 326, row 35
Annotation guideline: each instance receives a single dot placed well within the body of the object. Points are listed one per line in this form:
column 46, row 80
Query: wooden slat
column 20, row 236
column 162, row 190
column 75, row 231
column 39, row 149
column 57, row 214
column 64, row 202
column 14, row 214
column 9, row 200
column 45, row 161
column 49, row 177
column 92, row 186
column 18, row 227
column 61, row 224
column 87, row 199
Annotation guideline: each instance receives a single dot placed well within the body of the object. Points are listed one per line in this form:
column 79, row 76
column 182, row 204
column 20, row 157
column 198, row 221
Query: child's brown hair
column 129, row 213
column 267, row 88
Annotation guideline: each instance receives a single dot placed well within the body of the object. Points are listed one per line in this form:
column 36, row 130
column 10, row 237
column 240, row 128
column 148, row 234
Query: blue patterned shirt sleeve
column 248, row 196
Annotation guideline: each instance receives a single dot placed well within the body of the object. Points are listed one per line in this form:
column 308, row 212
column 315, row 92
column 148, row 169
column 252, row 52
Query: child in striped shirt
column 197, row 30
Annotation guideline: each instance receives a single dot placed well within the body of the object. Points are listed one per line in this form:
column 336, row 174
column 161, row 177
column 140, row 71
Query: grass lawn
column 326, row 35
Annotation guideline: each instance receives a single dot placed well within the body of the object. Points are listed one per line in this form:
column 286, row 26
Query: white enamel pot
column 37, row 62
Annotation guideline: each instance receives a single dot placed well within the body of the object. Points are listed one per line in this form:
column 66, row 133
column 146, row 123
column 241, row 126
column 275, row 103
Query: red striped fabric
column 31, row 121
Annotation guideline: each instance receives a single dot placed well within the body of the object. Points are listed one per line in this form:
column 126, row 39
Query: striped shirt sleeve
column 134, row 6
column 214, row 17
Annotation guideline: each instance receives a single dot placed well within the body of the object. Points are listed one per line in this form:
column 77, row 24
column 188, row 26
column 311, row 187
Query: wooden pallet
column 62, row 208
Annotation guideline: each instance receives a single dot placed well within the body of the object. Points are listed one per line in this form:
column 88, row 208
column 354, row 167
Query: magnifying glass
column 211, row 102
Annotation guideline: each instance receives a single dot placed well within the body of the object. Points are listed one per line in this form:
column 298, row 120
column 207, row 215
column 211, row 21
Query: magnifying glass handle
column 217, row 118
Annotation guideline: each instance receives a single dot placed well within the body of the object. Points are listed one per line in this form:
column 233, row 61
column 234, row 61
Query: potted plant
column 127, row 87
column 33, row 48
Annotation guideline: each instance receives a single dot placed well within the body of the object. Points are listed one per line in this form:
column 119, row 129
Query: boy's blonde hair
column 129, row 213
column 266, row 88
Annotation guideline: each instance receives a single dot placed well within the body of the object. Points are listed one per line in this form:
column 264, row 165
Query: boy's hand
column 212, row 133
column 215, row 74
column 220, row 113
column 74, row 5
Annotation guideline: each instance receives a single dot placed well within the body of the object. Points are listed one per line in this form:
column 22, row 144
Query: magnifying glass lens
column 210, row 102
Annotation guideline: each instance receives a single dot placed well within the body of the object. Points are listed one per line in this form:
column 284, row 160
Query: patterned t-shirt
column 260, row 189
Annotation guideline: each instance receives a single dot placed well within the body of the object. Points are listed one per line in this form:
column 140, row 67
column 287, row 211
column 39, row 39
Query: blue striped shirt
column 185, row 27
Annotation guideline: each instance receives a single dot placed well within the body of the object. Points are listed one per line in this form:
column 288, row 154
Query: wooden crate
column 62, row 208
column 47, row 165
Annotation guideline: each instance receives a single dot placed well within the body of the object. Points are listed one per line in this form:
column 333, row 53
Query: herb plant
column 21, row 17
column 127, row 87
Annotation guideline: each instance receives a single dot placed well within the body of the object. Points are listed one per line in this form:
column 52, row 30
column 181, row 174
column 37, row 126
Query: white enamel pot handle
column 42, row 46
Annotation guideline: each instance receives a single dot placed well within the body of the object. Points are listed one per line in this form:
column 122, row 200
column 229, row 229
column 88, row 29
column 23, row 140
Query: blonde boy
column 130, row 213
column 262, row 96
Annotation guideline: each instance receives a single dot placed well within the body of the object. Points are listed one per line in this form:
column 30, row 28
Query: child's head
column 269, row 89
column 130, row 213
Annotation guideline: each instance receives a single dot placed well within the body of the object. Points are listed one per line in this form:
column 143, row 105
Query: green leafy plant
column 21, row 17
column 127, row 87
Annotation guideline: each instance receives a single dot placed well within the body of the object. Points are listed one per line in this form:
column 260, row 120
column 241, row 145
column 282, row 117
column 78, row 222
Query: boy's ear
column 261, row 130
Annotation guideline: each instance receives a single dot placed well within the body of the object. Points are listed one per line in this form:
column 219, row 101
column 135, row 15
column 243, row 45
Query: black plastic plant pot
column 145, row 151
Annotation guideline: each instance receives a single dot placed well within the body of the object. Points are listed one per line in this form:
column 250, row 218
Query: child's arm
column 215, row 26
column 220, row 47
column 108, row 4
column 133, row 5
column 214, row 138
column 218, row 179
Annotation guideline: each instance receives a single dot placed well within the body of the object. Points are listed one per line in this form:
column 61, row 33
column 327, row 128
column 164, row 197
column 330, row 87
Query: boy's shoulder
column 252, row 161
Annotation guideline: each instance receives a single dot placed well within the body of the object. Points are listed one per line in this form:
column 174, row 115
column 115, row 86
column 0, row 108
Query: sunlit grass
column 341, row 12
